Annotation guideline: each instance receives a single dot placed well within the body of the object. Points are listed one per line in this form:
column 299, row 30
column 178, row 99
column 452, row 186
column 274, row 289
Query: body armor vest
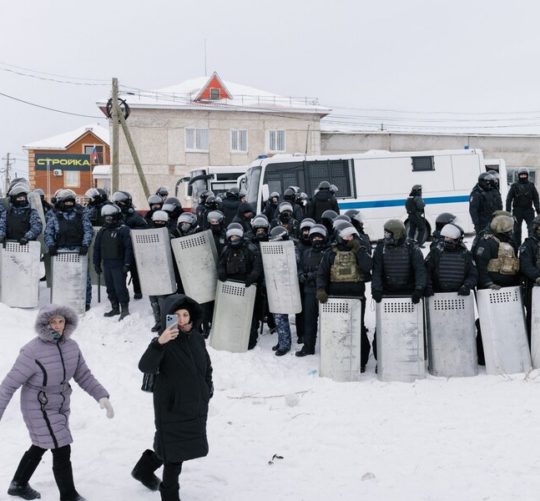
column 18, row 223
column 397, row 266
column 451, row 272
column 237, row 262
column 506, row 262
column 70, row 231
column 111, row 244
column 345, row 268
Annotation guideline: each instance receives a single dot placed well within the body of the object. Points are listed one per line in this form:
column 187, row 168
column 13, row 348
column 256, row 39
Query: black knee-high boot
column 19, row 485
column 145, row 468
column 170, row 487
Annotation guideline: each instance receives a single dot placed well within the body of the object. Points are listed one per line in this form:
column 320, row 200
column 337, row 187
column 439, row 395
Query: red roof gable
column 213, row 90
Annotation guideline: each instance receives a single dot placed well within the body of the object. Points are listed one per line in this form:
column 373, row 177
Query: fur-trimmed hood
column 49, row 311
column 177, row 301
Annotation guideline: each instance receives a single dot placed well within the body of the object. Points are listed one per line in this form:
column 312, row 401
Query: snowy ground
column 474, row 439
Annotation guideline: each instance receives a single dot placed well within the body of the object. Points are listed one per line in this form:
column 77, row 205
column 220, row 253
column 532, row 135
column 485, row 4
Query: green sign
column 62, row 161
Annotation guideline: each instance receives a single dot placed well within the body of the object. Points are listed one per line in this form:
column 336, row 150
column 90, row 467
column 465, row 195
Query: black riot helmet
column 444, row 219
column 340, row 217
column 187, row 222
column 65, row 199
column 163, row 192
column 173, row 207
column 274, row 197
column 484, row 180
column 235, row 234
column 356, row 219
column 18, row 195
column 213, row 203
column 122, row 199
column 306, row 225
column 416, row 190
column 155, row 202
column 111, row 214
column 260, row 226
column 204, row 195
column 324, row 185
column 96, row 196
column 327, row 217
column 279, row 233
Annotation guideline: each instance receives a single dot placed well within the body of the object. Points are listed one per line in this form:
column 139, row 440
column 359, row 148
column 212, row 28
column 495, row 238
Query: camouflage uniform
column 35, row 226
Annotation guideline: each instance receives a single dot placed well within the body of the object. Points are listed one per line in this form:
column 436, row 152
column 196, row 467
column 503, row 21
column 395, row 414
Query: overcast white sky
column 417, row 55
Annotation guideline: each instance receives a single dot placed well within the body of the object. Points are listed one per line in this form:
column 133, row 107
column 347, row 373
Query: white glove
column 105, row 403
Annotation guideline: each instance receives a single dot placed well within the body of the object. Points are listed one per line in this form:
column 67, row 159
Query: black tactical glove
column 376, row 295
column 322, row 296
column 53, row 251
column 302, row 278
column 464, row 290
column 98, row 269
column 428, row 292
column 222, row 277
column 23, row 241
column 83, row 250
column 417, row 295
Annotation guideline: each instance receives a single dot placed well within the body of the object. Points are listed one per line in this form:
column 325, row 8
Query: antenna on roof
column 205, row 71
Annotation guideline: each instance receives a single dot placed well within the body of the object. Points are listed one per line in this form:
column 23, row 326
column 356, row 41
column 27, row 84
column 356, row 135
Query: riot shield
column 281, row 276
column 152, row 249
column 340, row 323
column 452, row 335
column 69, row 271
column 233, row 312
column 19, row 274
column 502, row 321
column 535, row 327
column 196, row 258
column 400, row 340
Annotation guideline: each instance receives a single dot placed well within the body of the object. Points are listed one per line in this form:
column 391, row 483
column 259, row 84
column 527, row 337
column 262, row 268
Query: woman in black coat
column 182, row 390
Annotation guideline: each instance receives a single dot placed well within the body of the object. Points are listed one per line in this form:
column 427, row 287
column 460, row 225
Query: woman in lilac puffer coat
column 44, row 368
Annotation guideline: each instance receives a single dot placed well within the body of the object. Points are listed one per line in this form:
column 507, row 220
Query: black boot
column 19, row 485
column 157, row 316
column 64, row 479
column 114, row 311
column 145, row 468
column 125, row 311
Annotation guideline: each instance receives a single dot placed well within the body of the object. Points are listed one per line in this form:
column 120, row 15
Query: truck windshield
column 253, row 177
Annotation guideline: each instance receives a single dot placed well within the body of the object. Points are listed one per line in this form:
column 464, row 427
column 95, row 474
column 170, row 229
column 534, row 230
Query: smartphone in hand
column 170, row 321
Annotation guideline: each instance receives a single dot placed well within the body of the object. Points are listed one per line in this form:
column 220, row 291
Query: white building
column 208, row 121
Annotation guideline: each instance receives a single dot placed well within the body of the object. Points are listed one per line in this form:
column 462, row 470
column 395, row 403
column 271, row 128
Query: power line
column 55, row 80
column 49, row 109
column 52, row 74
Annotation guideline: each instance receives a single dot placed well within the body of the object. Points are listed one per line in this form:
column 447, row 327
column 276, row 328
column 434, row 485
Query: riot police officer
column 440, row 222
column 19, row 222
column 414, row 206
column 344, row 270
column 308, row 267
column 286, row 219
column 522, row 196
column 215, row 225
column 358, row 222
column 271, row 206
column 163, row 192
column 327, row 220
column 97, row 198
column 240, row 260
column 484, row 200
column 244, row 217
column 187, row 225
column 135, row 222
column 230, row 205
column 173, row 207
column 292, row 195
column 304, row 240
column 113, row 256
column 155, row 203
column 46, row 205
column 450, row 266
column 201, row 211
column 69, row 228
column 323, row 200
column 529, row 265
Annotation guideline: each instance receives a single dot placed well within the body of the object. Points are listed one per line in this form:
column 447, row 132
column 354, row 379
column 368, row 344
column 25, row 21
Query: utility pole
column 7, row 179
column 115, row 137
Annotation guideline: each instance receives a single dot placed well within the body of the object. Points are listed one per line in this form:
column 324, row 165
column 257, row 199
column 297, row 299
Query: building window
column 72, row 178
column 215, row 94
column 239, row 140
column 420, row 164
column 196, row 139
column 276, row 140
column 95, row 151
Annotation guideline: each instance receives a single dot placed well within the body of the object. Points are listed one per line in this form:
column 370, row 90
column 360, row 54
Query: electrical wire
column 49, row 109
column 53, row 74
column 48, row 79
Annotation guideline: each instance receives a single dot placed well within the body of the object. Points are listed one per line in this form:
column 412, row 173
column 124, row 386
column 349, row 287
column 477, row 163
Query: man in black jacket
column 529, row 265
column 323, row 200
column 414, row 206
column 484, row 200
column 522, row 196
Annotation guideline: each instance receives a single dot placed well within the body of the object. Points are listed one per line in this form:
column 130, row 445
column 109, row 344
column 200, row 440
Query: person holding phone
column 182, row 390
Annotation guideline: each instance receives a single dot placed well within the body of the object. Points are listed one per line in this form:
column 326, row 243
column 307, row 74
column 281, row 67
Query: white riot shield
column 35, row 202
column 69, row 271
column 281, row 277
column 452, row 335
column 19, row 274
column 94, row 277
column 196, row 258
column 400, row 340
column 152, row 249
column 504, row 337
column 535, row 327
column 233, row 312
column 340, row 322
